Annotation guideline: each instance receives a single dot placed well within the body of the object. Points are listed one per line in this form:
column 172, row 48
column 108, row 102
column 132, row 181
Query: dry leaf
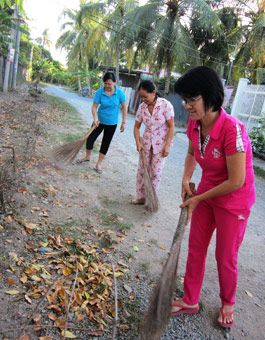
column 68, row 335
column 27, row 298
column 164, row 248
column 36, row 317
column 248, row 293
column 12, row 292
column 45, row 338
column 124, row 327
column 10, row 281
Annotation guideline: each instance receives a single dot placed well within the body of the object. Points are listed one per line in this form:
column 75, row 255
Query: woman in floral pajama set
column 157, row 114
column 222, row 202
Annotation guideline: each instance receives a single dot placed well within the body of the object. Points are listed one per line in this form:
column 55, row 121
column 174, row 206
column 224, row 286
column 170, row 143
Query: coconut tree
column 251, row 53
column 161, row 29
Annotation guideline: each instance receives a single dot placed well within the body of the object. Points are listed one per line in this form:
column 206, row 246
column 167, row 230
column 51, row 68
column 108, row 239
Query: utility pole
column 9, row 59
column 15, row 66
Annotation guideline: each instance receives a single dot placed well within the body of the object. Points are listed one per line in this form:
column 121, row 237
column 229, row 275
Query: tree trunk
column 78, row 77
column 15, row 66
column 87, row 79
column 168, row 74
column 117, row 64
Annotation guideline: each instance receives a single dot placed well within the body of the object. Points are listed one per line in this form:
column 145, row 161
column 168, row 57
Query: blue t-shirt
column 109, row 108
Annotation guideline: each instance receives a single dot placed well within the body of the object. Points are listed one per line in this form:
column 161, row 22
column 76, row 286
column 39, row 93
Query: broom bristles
column 159, row 310
column 151, row 199
column 68, row 152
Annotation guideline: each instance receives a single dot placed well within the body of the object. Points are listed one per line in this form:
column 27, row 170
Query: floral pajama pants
column 155, row 164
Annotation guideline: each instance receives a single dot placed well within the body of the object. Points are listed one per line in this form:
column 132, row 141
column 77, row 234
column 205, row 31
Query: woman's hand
column 122, row 128
column 191, row 203
column 96, row 122
column 186, row 189
column 165, row 151
column 139, row 147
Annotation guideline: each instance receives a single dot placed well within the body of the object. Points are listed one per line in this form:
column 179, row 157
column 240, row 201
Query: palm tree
column 251, row 53
column 161, row 30
column 46, row 41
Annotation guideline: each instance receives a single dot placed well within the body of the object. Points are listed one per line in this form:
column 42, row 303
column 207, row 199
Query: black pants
column 108, row 134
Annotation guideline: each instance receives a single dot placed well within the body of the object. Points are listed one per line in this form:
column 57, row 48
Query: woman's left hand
column 122, row 128
column 165, row 151
column 191, row 203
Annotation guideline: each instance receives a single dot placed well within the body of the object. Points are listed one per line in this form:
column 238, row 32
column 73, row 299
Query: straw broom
column 151, row 199
column 159, row 310
column 68, row 152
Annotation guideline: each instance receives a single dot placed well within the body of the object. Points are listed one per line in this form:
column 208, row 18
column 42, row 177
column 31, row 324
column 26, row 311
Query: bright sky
column 44, row 14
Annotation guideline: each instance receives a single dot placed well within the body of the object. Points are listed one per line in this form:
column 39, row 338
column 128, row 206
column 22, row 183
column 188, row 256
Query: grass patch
column 111, row 219
column 259, row 171
column 153, row 242
column 62, row 105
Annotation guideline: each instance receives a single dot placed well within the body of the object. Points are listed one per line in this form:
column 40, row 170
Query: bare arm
column 95, row 114
column 236, row 167
column 190, row 165
column 170, row 135
column 124, row 116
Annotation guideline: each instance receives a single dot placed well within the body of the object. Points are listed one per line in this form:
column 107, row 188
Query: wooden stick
column 115, row 321
column 67, row 306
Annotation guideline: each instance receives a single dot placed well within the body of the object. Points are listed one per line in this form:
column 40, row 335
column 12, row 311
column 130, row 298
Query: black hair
column 109, row 75
column 149, row 87
column 204, row 81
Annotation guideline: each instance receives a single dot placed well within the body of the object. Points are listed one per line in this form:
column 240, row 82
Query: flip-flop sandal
column 136, row 202
column 184, row 310
column 224, row 315
column 99, row 171
column 80, row 161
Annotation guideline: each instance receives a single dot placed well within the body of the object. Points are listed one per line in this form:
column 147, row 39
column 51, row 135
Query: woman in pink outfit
column 157, row 114
column 222, row 202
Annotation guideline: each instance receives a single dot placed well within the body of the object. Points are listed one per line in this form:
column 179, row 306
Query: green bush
column 257, row 136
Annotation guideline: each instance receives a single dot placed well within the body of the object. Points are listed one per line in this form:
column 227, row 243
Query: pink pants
column 155, row 164
column 230, row 229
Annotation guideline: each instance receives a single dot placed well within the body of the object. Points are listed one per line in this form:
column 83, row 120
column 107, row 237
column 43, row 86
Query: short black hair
column 204, row 81
column 109, row 75
column 149, row 87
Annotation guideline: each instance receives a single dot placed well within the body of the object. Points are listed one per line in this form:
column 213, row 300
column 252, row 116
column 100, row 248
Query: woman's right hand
column 96, row 122
column 139, row 147
column 186, row 189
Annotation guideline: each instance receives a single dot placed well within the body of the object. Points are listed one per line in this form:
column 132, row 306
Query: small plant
column 257, row 136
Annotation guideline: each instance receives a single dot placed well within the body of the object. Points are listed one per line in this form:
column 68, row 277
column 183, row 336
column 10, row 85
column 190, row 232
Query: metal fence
column 249, row 103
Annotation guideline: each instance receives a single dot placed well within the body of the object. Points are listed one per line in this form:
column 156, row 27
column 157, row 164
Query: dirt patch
column 65, row 226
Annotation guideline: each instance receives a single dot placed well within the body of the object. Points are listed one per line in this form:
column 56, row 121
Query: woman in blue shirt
column 105, row 111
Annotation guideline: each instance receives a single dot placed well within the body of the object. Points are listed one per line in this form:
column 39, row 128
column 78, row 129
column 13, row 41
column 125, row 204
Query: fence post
column 243, row 82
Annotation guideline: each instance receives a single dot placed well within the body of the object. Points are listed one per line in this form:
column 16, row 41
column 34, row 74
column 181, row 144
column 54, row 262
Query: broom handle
column 93, row 127
column 142, row 152
column 183, row 217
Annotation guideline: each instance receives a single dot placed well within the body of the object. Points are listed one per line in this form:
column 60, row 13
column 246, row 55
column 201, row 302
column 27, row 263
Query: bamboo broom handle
column 93, row 127
column 142, row 152
column 183, row 217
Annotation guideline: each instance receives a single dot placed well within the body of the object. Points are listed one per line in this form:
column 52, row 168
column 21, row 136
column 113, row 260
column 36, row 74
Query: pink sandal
column 184, row 310
column 224, row 315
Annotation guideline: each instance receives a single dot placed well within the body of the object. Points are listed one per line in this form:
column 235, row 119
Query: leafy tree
column 252, row 51
column 161, row 30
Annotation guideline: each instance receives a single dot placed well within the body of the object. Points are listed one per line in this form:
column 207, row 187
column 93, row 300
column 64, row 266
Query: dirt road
column 118, row 183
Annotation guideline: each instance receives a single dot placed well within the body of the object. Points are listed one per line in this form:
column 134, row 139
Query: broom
column 151, row 199
column 67, row 152
column 159, row 310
